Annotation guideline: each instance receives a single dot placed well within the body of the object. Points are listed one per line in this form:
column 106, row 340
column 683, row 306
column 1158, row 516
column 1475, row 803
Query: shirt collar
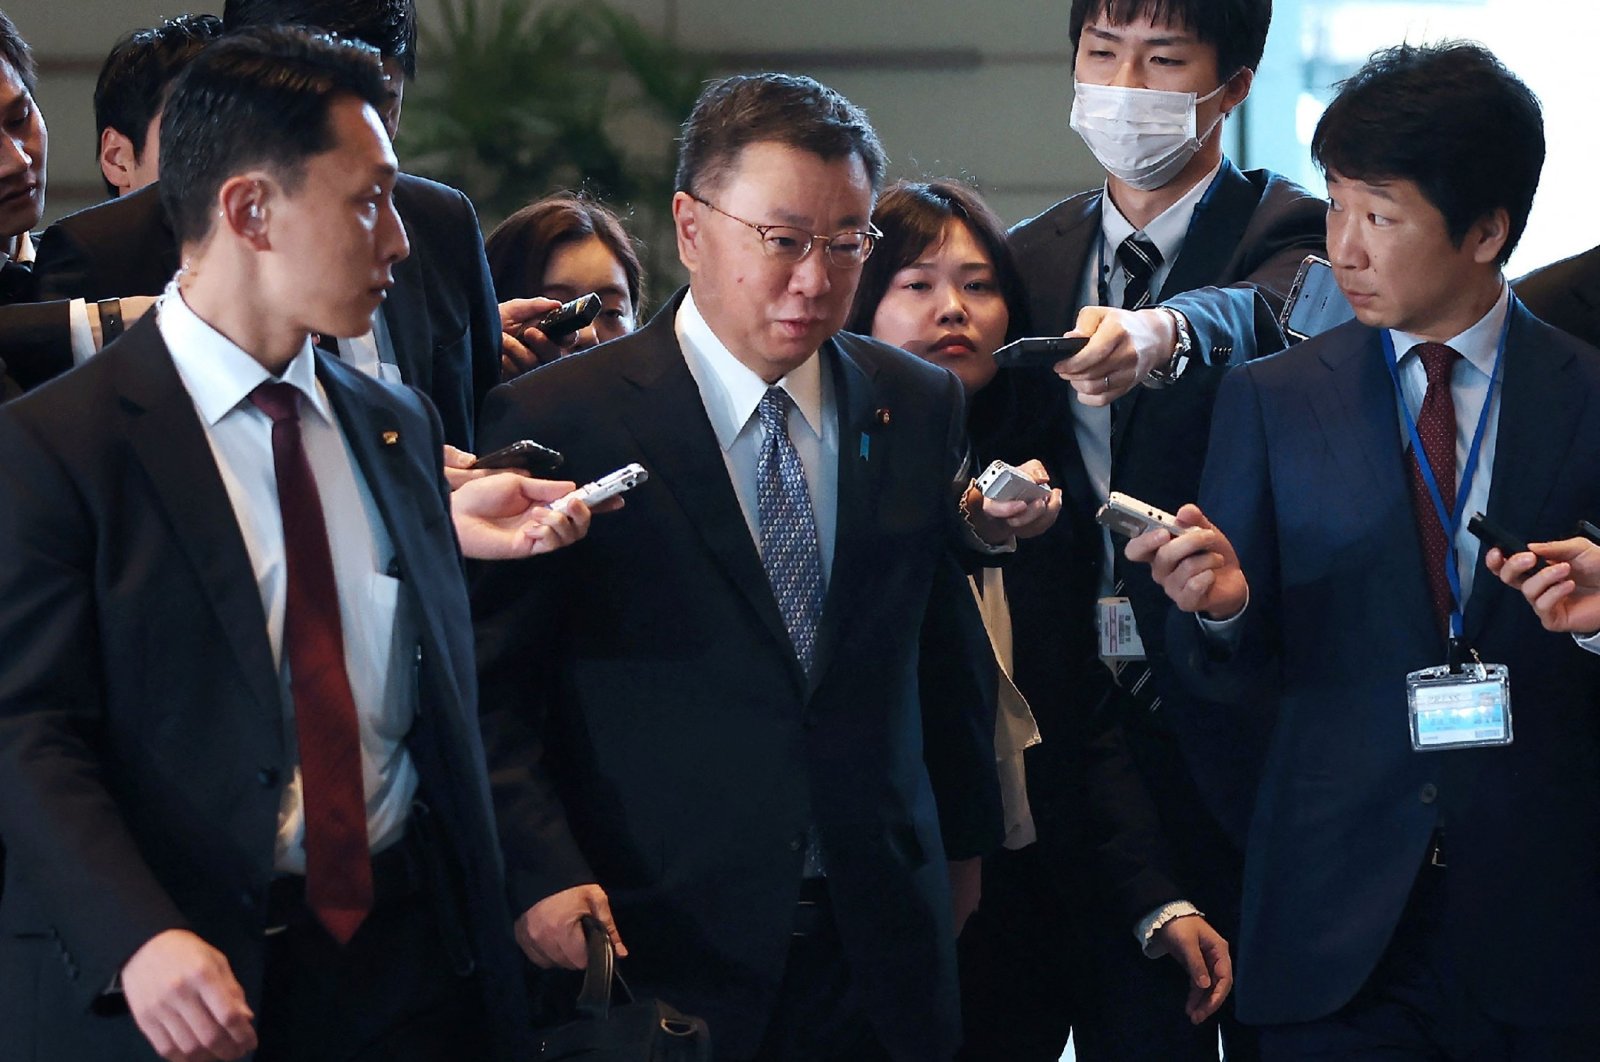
column 729, row 389
column 217, row 373
column 1167, row 229
column 25, row 249
column 1479, row 344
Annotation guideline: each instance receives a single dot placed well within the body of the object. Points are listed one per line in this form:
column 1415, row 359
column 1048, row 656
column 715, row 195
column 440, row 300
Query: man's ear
column 245, row 209
column 686, row 226
column 1238, row 87
column 117, row 160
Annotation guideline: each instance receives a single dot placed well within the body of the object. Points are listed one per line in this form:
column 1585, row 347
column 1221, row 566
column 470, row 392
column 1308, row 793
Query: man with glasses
column 704, row 725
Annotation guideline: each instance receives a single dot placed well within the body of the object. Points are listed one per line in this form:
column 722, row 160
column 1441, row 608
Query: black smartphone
column 1038, row 352
column 566, row 319
column 1492, row 534
column 524, row 454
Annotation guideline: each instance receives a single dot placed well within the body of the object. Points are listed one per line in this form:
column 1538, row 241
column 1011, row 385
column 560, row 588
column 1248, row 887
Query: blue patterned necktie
column 789, row 549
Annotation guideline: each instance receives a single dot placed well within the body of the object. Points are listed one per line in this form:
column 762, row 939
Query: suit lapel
column 1539, row 412
column 863, row 448
column 667, row 418
column 1358, row 418
column 1213, row 237
column 1075, row 234
column 171, row 444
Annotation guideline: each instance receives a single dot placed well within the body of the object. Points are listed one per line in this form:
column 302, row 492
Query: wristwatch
column 110, row 319
column 1182, row 346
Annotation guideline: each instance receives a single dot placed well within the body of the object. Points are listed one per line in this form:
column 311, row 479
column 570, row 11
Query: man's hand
column 458, row 468
column 504, row 517
column 550, row 932
column 996, row 522
column 1566, row 595
column 1198, row 569
column 523, row 347
column 1203, row 954
column 966, row 888
column 1124, row 345
column 186, row 1001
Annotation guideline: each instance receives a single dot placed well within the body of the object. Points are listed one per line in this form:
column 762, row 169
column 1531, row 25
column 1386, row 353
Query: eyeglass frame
column 872, row 233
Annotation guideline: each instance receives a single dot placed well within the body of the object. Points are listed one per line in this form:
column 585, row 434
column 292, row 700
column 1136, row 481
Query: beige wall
column 951, row 94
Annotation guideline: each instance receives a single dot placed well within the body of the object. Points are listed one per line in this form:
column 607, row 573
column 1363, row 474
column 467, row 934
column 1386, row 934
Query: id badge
column 1119, row 630
column 1468, row 709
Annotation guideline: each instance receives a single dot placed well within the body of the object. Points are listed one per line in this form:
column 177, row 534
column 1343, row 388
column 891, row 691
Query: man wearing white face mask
column 1175, row 268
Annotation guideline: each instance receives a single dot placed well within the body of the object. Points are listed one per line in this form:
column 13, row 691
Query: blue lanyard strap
column 1450, row 521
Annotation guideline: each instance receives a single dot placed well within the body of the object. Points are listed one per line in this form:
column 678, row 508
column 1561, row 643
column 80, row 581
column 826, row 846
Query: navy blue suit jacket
column 650, row 729
column 1306, row 475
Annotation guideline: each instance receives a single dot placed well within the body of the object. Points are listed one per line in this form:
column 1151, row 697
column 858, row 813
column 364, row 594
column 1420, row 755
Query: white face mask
column 1142, row 137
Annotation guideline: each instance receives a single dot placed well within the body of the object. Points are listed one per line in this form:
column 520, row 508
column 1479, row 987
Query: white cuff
column 1146, row 930
column 1225, row 634
column 84, row 329
column 1591, row 642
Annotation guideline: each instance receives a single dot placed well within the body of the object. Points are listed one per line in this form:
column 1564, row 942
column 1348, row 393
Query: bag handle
column 594, row 998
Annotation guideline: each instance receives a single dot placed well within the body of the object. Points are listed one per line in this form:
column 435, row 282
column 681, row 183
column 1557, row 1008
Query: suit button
column 268, row 777
column 247, row 899
column 1429, row 794
column 797, row 842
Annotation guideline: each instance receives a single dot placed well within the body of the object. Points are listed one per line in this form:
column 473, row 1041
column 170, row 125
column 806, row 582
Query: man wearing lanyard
column 1421, row 874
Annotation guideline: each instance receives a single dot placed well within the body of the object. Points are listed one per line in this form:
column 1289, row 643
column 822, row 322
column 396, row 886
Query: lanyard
column 1450, row 521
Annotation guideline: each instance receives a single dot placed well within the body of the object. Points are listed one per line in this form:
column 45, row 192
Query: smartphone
column 1003, row 482
column 1492, row 534
column 1315, row 302
column 1038, row 352
column 565, row 319
column 609, row 486
column 524, row 454
column 1131, row 517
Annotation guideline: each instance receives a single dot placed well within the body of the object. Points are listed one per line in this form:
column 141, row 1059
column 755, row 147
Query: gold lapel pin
column 390, row 438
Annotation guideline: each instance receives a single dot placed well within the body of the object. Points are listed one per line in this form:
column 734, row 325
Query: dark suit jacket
column 1306, row 474
column 35, row 340
column 441, row 312
column 142, row 750
column 1245, row 242
column 1566, row 294
column 648, row 725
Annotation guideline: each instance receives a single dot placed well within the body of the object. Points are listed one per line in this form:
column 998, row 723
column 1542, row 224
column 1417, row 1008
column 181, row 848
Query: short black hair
column 388, row 25
column 135, row 77
column 792, row 110
column 258, row 98
column 912, row 215
column 1237, row 29
column 520, row 247
column 15, row 50
column 1448, row 117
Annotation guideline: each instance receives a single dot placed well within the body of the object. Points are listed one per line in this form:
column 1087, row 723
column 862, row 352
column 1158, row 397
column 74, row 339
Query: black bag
column 628, row 1030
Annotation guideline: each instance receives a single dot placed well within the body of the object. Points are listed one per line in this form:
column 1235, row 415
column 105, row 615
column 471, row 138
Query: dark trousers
column 819, row 1016
column 1041, row 959
column 393, row 994
column 1416, row 1007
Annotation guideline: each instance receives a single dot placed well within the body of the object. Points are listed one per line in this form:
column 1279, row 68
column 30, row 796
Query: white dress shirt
column 380, row 634
column 731, row 391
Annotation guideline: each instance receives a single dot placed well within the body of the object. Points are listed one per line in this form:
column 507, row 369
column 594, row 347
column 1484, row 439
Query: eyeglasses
column 844, row 250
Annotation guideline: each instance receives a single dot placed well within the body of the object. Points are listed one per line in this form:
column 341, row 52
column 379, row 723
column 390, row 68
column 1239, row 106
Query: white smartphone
column 1131, row 517
column 1003, row 482
column 608, row 486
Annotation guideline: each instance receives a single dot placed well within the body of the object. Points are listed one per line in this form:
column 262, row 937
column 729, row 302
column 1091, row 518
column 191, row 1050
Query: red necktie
column 1436, row 425
column 338, row 859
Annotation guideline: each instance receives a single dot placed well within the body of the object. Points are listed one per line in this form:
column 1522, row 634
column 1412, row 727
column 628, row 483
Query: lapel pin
column 390, row 438
column 882, row 416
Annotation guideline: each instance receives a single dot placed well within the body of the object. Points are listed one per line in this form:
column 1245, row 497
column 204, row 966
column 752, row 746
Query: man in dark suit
column 1406, row 898
column 440, row 329
column 706, row 720
column 1566, row 294
column 241, row 778
column 1127, row 853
